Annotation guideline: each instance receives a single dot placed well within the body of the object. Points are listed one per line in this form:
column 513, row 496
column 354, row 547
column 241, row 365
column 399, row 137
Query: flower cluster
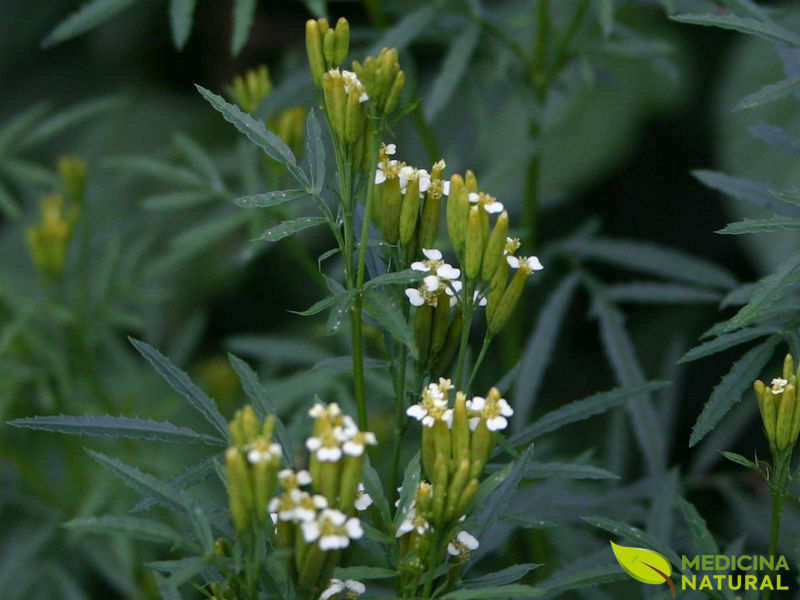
column 778, row 404
column 349, row 587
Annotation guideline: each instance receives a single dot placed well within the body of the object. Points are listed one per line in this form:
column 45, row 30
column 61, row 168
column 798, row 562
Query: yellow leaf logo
column 644, row 565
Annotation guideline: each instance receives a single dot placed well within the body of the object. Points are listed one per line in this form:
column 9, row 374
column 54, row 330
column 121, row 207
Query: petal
column 473, row 423
column 534, row 264
column 414, row 297
column 493, row 207
column 416, row 411
column 505, row 409
column 446, row 188
column 353, row 527
column 496, row 423
column 390, row 149
column 431, row 283
column 432, row 253
column 478, row 403
column 451, row 550
column 310, row 531
column 513, row 262
column 473, row 197
column 380, row 177
column 447, row 417
column 448, row 272
column 457, row 285
column 351, row 448
column 428, row 421
column 468, row 540
column 303, row 477
column 420, row 266
column 363, row 502
column 313, row 444
column 355, row 586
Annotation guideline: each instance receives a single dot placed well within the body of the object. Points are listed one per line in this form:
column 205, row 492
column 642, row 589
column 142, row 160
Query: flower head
column 356, row 444
column 526, row 263
column 511, row 247
column 263, row 451
column 291, row 480
column 434, row 404
column 413, row 521
column 363, row 499
column 297, row 506
column 462, row 544
column 350, row 587
column 333, row 529
column 442, row 277
column 485, row 201
column 778, row 385
column 493, row 409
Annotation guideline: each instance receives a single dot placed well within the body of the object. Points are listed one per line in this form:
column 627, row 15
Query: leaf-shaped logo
column 644, row 565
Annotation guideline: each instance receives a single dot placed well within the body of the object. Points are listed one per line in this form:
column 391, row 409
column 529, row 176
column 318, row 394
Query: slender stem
column 782, row 466
column 434, row 563
column 426, row 133
column 486, row 342
column 466, row 301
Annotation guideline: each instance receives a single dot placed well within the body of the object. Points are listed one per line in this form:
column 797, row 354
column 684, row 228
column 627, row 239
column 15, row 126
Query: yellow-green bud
column 393, row 97
column 410, row 211
column 250, row 89
column 460, row 431
column 251, row 427
column 316, row 59
column 423, row 316
column 441, row 321
column 440, row 477
column 457, row 211
column 328, row 40
column 240, row 495
column 483, row 442
column 335, row 101
column 508, row 301
column 471, row 182
column 348, row 488
column 788, row 367
column 264, row 482
column 431, row 210
column 48, row 241
column 424, row 499
column 428, row 451
column 457, row 484
column 769, row 411
column 392, row 202
column 341, row 44
column 467, row 496
column 448, row 351
column 269, row 427
column 289, row 125
column 73, row 174
column 493, row 255
column 473, row 244
column 786, row 410
column 354, row 118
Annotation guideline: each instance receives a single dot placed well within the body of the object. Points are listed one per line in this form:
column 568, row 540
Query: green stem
column 426, row 133
column 782, row 466
column 432, row 565
column 466, row 300
column 486, row 342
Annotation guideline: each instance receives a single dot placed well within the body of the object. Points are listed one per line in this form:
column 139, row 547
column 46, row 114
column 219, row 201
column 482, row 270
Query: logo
column 644, row 565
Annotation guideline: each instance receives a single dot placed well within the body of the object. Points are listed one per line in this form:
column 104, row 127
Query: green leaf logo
column 644, row 565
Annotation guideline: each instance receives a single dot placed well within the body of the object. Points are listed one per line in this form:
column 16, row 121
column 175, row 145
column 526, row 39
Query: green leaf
column 134, row 527
column 167, row 590
column 201, row 237
column 9, row 206
column 650, row 258
column 406, row 30
column 769, row 93
column 191, row 476
column 29, row 172
column 635, row 535
column 747, row 190
column 556, row 470
column 269, row 199
column 386, row 310
column 243, row 13
column 181, row 15
column 179, row 200
column 142, row 165
column 502, row 577
column 583, row 409
column 360, row 573
column 344, row 364
column 739, row 459
column 256, row 132
column 765, row 30
column 144, row 483
column 666, row 293
column 182, row 383
column 70, row 116
column 16, row 129
column 408, row 488
column 770, row 289
column 325, row 303
column 404, row 277
column 704, row 542
column 277, row 349
column 86, row 18
column 120, row 427
column 315, row 151
column 374, row 487
column 730, row 389
column 776, row 223
column 539, row 350
column 488, row 512
column 199, row 159
column 605, row 9
column 287, row 228
column 452, row 71
column 724, row 342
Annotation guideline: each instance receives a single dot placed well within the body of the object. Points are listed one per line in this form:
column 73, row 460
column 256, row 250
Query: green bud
column 289, row 125
column 455, row 490
column 493, row 255
column 73, row 174
column 392, row 201
column 264, row 483
column 269, row 427
column 312, row 566
column 508, row 301
column 431, row 210
column 769, row 413
column 238, row 435
column 251, row 427
column 329, row 474
column 482, row 446
column 440, row 477
column 448, row 351
column 410, row 211
column 316, row 60
column 328, row 40
column 240, row 495
column 424, row 499
column 471, row 182
column 341, row 45
column 335, row 101
column 354, row 118
column 460, row 430
column 285, row 534
column 457, row 211
column 348, row 488
column 473, row 244
column 423, row 316
column 788, row 367
column 428, row 451
column 441, row 322
column 393, row 97
column 497, row 288
column 250, row 89
column 467, row 496
column 786, row 410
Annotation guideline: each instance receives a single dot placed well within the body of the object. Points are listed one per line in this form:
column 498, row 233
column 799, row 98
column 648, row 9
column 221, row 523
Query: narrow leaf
column 635, row 535
column 660, row 293
column 315, row 151
column 179, row 200
column 287, row 228
column 704, row 542
column 243, row 13
column 69, row 117
column 452, row 70
column 404, row 277
column 387, row 312
column 724, row 342
column 769, row 93
column 730, row 389
column 269, row 199
column 181, row 14
column 134, row 527
column 142, row 165
column 191, row 476
column 199, row 159
column 181, row 383
column 739, row 459
column 502, row 577
column 488, row 512
column 86, row 18
column 122, row 427
column 408, row 488
column 360, row 573
column 323, row 304
column 8, row 205
column 761, row 225
column 763, row 29
column 556, row 470
column 748, row 190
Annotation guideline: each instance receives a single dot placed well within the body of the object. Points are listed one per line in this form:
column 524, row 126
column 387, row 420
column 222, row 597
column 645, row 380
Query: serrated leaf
column 142, row 165
column 121, row 427
column 287, row 228
column 739, row 459
column 660, row 293
column 556, row 470
column 243, row 13
column 724, row 342
column 539, row 350
column 406, row 30
column 761, row 225
column 269, row 199
column 769, row 93
column 360, row 573
column 144, row 483
column 453, row 67
column 199, row 159
column 256, row 132
column 650, row 258
column 183, row 385
column 703, row 540
column 501, row 577
column 770, row 289
column 779, row 139
column 764, row 29
column 134, row 527
column 406, row 276
column 488, row 512
column 315, row 151
column 324, row 304
column 747, row 190
column 581, row 410
column 70, row 116
column 86, row 18
column 635, row 535
column 181, row 15
column 729, row 390
column 387, row 312
column 191, row 476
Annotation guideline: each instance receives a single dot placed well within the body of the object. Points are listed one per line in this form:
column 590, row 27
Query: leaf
column 406, row 276
column 165, row 588
column 182, row 383
column 747, row 190
column 199, row 159
column 179, row 200
column 360, row 573
column 567, row 471
column 162, row 170
column 181, row 15
column 200, row 237
column 69, row 117
column 781, row 140
column 9, row 206
column 27, row 171
column 452, row 70
column 191, row 476
column 408, row 488
column 539, row 350
column 761, row 225
column 770, row 289
column 374, row 487
column 769, row 93
column 635, row 535
column 120, row 427
column 256, row 132
column 277, row 349
column 704, row 542
column 134, row 527
column 488, row 512
column 642, row 564
column 287, row 228
column 387, row 312
column 86, row 18
column 315, row 151
column 765, row 30
column 502, row 577
column 581, row 410
column 739, row 459
column 650, row 258
column 724, row 342
column 730, row 389
column 605, row 9
column 344, row 364
column 666, row 293
column 325, row 303
column 269, row 199
column 243, row 13
column 406, row 30
column 16, row 129
column 144, row 483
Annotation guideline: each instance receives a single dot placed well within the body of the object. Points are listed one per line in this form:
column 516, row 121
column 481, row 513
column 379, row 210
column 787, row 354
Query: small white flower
column 462, row 544
column 310, row 531
column 415, row 297
column 356, row 445
column 352, row 587
column 303, row 478
column 363, row 499
column 313, row 444
column 778, row 385
column 480, row 300
column 432, row 253
column 380, row 176
column 329, row 454
column 446, row 188
column 412, row 522
column 390, row 149
column 530, row 263
column 446, row 271
column 473, row 197
column 493, row 410
column 493, row 207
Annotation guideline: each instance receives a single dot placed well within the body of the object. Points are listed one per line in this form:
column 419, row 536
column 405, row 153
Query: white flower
column 390, row 149
column 493, row 410
column 479, row 299
column 333, row 529
column 412, row 522
column 462, row 544
column 512, row 245
column 415, row 297
column 530, row 263
column 363, row 499
column 352, row 83
column 326, row 448
column 356, row 445
column 485, row 201
column 352, row 588
column 297, row 506
column 261, row 452
column 433, row 405
column 290, row 480
column 443, row 277
column 778, row 385
column 446, row 188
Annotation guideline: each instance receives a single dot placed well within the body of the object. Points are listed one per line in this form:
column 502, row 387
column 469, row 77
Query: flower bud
column 341, row 45
column 431, row 210
column 423, row 318
column 328, row 40
column 466, row 497
column 473, row 244
column 785, row 422
column 48, row 241
column 788, row 367
column 251, row 427
column 335, row 101
column 240, row 495
column 289, row 125
column 264, row 483
column 493, row 255
column 316, row 60
column 483, row 442
column 471, row 182
column 457, row 212
column 355, row 118
column 410, row 211
column 269, row 427
column 508, row 301
column 392, row 202
column 768, row 408
column 395, row 91
column 441, row 469
column 448, row 351
column 460, row 430
column 250, row 89
column 441, row 321
column 73, row 175
column 455, row 490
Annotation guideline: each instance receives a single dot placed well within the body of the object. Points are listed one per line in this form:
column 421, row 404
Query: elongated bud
column 424, row 498
column 471, row 182
column 440, row 480
column 441, row 322
column 316, row 60
column 460, row 430
column 473, row 244
column 328, row 40
column 769, row 414
column 786, row 410
column 240, row 496
column 507, row 302
column 264, row 483
column 392, row 202
column 448, row 351
column 73, row 174
column 341, row 45
column 329, row 474
column 312, row 566
column 354, row 118
column 467, row 496
column 428, row 451
column 410, row 211
column 395, row 91
column 251, row 426
column 348, row 488
column 457, row 210
column 457, row 484
column 335, row 101
column 289, row 125
column 483, row 442
column 423, row 318
column 497, row 288
column 238, row 436
column 269, row 427
column 493, row 255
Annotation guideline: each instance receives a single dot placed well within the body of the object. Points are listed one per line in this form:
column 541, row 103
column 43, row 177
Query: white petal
column 505, row 409
column 416, row 411
column 468, row 540
column 355, row 586
column 496, row 423
column 493, row 207
column 364, row 501
column 313, row 444
column 453, row 301
column 310, row 531
column 334, row 588
column 452, row 550
column 432, row 253
column 351, row 448
column 405, row 527
column 424, row 180
column 380, row 177
column 328, row 542
column 420, row 266
column 363, row 97
column 473, row 197
column 320, row 501
column 431, row 283
column 354, row 529
column 274, row 505
column 457, row 285
column 390, row 149
column 447, row 417
column 448, row 272
column 534, row 264
column 303, row 477
column 446, row 188
column 478, row 403
column 473, row 423
column 513, row 262
column 414, row 297
column 317, row 410
column 428, row 421
column 329, row 454
column 370, row 438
